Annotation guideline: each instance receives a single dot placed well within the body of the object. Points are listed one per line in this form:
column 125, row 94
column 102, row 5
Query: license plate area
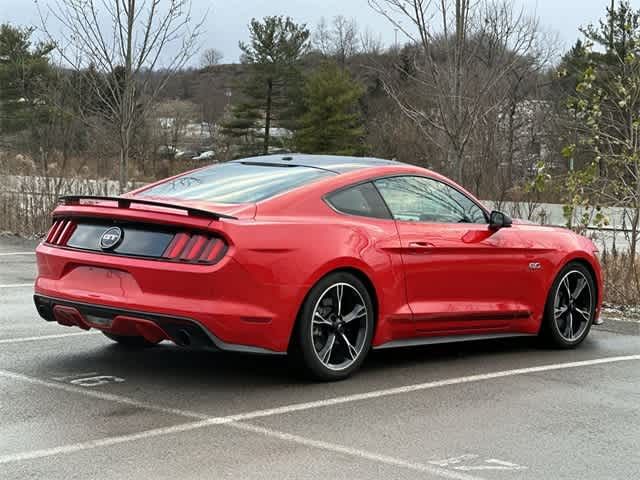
column 98, row 282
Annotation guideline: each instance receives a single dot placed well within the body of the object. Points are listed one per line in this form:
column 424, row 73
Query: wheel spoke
column 586, row 314
column 325, row 353
column 565, row 282
column 568, row 331
column 358, row 311
column 573, row 306
column 320, row 320
column 558, row 312
column 579, row 287
column 340, row 292
column 339, row 326
column 353, row 353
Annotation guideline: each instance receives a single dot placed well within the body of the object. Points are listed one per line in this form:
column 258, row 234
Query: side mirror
column 498, row 220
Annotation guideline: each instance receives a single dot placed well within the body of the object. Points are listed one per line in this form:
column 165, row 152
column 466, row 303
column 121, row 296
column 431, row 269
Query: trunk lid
column 174, row 231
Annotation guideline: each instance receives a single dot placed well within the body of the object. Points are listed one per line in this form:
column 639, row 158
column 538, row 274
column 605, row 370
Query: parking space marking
column 473, row 462
column 13, row 254
column 354, row 452
column 428, row 385
column 102, row 395
column 73, row 376
column 45, row 337
column 96, row 381
column 17, row 285
column 102, row 442
column 237, row 419
column 492, row 464
column 186, row 427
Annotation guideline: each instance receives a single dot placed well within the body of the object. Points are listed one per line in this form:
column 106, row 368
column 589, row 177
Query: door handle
column 421, row 245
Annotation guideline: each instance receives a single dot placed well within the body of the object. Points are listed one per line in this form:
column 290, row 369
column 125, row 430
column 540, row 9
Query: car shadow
column 196, row 368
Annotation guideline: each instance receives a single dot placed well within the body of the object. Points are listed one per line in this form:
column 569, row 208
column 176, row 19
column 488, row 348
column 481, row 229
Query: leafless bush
column 26, row 201
column 28, row 196
column 620, row 288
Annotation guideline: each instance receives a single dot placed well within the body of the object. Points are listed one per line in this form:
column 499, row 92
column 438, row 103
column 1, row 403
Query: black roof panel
column 338, row 164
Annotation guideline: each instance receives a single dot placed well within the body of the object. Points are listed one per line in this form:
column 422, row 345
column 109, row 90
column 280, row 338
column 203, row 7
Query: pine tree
column 332, row 122
column 615, row 33
column 24, row 74
column 269, row 96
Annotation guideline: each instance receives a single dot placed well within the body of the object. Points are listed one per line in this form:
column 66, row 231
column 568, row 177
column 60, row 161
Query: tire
column 321, row 357
column 129, row 341
column 560, row 330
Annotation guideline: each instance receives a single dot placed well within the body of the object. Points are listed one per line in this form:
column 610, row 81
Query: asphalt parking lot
column 74, row 405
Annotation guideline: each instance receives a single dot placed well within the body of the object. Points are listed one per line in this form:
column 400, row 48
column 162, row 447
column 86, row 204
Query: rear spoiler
column 126, row 203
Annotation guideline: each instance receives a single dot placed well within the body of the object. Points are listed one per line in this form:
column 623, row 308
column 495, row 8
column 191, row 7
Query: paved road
column 73, row 405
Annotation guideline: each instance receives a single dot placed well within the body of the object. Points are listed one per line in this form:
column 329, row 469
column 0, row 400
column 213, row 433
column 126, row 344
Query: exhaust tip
column 182, row 338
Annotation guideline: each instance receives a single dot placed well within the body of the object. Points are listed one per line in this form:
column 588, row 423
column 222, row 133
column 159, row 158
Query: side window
column 363, row 200
column 419, row 199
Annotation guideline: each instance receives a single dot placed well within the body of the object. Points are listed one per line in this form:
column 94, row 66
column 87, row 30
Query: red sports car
column 321, row 257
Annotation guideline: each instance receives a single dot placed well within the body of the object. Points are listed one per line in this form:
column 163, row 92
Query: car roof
column 333, row 163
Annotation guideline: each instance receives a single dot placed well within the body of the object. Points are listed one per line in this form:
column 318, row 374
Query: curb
column 619, row 326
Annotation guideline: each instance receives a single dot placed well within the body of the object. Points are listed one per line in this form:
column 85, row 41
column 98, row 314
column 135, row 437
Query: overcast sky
column 227, row 20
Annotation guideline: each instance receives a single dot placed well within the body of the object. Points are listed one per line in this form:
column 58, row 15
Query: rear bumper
column 236, row 310
column 153, row 326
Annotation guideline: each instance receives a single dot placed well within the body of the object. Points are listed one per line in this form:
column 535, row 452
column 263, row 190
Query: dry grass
column 26, row 202
column 621, row 281
column 28, row 194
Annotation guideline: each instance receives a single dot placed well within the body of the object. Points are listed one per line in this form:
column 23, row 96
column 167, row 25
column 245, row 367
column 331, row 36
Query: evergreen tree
column 605, row 49
column 270, row 94
column 615, row 33
column 612, row 38
column 332, row 122
column 24, row 74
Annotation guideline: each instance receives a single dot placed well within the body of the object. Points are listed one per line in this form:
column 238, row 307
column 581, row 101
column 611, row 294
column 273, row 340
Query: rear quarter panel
column 295, row 252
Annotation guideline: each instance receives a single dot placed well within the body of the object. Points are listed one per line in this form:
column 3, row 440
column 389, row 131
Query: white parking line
column 102, row 396
column 354, row 452
column 187, row 427
column 45, row 337
column 17, row 285
column 426, row 386
column 232, row 420
column 102, row 442
column 12, row 254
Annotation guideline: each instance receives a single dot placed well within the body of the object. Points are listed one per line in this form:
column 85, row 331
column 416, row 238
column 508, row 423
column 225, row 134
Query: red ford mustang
column 321, row 257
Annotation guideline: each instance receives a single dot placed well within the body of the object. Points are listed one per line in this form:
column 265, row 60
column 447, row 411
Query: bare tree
column 340, row 39
column 321, row 40
column 116, row 46
column 345, row 38
column 370, row 43
column 462, row 57
column 211, row 57
column 172, row 118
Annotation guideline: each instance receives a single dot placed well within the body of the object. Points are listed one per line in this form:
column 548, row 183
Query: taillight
column 184, row 247
column 195, row 248
column 60, row 232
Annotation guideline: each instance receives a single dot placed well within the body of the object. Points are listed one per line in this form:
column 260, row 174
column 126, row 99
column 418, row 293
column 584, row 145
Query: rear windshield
column 236, row 183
